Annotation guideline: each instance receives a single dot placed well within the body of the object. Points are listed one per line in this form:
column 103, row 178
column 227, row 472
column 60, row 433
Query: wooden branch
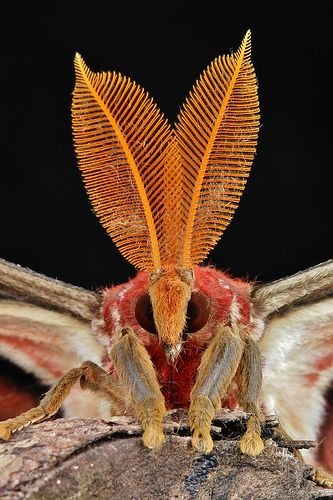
column 90, row 458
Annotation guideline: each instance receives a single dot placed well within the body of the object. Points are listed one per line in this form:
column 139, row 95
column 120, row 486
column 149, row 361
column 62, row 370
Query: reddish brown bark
column 90, row 458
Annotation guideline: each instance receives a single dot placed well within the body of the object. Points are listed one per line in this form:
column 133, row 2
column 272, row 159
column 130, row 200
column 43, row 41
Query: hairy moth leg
column 217, row 368
column 320, row 475
column 136, row 370
column 249, row 377
column 91, row 377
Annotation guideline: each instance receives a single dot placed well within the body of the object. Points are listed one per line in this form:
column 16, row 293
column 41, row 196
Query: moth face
column 162, row 307
column 171, row 308
column 170, row 292
column 197, row 314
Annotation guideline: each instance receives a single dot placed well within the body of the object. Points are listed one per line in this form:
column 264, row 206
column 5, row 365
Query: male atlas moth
column 178, row 335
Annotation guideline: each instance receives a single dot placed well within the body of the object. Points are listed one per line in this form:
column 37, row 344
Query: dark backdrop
column 283, row 223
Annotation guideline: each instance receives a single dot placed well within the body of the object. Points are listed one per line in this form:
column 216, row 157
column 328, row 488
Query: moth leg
column 136, row 371
column 217, row 368
column 249, row 378
column 320, row 476
column 91, row 376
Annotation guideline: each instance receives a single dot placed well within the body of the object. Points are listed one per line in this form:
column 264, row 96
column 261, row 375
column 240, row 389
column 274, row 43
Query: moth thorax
column 170, row 291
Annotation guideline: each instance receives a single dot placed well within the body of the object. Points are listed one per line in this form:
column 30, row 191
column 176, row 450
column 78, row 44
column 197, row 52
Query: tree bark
column 94, row 459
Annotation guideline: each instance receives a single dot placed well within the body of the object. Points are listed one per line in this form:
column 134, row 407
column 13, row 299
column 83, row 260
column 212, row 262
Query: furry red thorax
column 229, row 301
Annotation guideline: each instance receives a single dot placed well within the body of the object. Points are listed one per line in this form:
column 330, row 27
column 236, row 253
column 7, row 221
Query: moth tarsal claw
column 5, row 431
column 200, row 419
column 322, row 478
column 153, row 437
column 202, row 440
column 150, row 413
column 251, row 443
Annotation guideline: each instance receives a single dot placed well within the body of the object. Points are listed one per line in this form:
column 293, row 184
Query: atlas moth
column 178, row 335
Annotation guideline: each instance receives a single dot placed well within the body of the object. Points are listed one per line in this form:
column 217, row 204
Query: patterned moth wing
column 44, row 331
column 297, row 349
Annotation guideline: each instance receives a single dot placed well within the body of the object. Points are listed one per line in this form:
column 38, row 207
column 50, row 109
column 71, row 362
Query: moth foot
column 322, row 478
column 153, row 437
column 200, row 419
column 150, row 413
column 251, row 443
column 5, row 431
column 202, row 440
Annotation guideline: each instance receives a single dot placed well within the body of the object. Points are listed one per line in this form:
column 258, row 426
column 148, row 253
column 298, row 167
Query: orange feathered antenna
column 129, row 160
column 165, row 197
column 217, row 136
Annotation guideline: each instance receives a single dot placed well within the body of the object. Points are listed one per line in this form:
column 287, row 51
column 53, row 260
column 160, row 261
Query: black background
column 283, row 223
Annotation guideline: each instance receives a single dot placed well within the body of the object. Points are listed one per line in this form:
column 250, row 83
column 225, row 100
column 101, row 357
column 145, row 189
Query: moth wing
column 297, row 348
column 44, row 332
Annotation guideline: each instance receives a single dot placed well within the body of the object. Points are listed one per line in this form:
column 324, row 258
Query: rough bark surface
column 94, row 459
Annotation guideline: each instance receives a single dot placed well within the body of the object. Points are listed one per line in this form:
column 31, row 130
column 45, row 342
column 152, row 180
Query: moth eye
column 198, row 311
column 144, row 313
